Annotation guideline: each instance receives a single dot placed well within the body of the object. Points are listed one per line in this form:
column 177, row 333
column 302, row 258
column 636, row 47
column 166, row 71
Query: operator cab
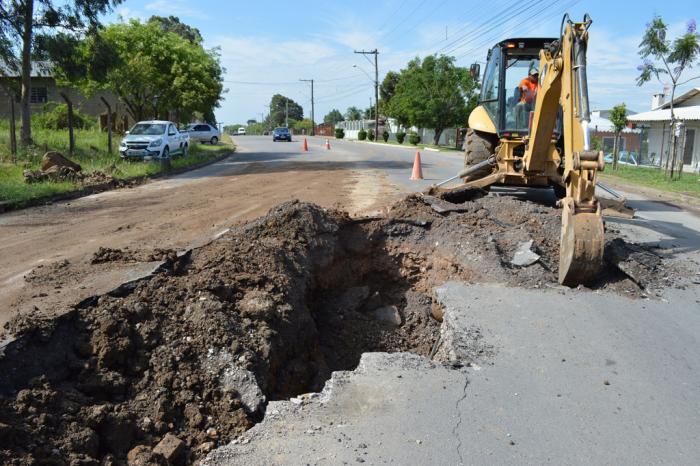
column 507, row 64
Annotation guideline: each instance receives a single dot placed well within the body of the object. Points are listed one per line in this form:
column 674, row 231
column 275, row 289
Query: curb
column 10, row 206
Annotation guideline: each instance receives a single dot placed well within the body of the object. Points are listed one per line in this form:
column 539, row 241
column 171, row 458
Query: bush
column 339, row 133
column 55, row 116
column 400, row 136
column 370, row 135
column 413, row 138
column 362, row 135
column 385, row 135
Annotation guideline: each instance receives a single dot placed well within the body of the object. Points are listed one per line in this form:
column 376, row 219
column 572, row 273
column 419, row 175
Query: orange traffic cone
column 306, row 145
column 328, row 144
column 417, row 169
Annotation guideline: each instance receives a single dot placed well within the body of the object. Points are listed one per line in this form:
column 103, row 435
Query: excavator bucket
column 582, row 245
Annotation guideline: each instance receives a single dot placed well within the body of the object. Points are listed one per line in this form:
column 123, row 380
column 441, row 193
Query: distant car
column 203, row 132
column 625, row 158
column 281, row 134
column 154, row 138
column 241, row 131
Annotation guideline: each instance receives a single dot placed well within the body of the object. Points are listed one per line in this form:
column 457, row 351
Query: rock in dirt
column 524, row 255
column 171, row 448
column 144, row 456
column 56, row 159
column 388, row 314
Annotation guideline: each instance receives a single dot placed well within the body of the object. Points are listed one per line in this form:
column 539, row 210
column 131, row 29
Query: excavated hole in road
column 270, row 308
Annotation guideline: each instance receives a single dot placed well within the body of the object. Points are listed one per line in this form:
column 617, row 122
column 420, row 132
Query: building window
column 609, row 144
column 39, row 95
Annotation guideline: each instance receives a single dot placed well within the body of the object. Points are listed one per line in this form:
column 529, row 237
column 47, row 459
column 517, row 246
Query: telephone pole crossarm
column 374, row 52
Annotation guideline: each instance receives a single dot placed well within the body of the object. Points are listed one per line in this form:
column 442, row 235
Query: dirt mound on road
column 171, row 366
column 104, row 255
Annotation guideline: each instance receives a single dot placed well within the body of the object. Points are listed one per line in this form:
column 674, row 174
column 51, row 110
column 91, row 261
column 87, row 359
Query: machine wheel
column 559, row 191
column 477, row 148
column 214, row 141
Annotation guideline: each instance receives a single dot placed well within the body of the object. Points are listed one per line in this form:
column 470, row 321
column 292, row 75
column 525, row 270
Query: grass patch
column 654, row 178
column 91, row 153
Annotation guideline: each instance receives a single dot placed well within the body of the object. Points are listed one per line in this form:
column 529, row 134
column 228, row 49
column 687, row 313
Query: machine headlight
column 156, row 143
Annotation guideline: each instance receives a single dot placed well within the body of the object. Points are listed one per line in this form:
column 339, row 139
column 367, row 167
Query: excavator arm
column 563, row 83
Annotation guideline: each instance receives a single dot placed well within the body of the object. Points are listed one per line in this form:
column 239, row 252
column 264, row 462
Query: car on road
column 241, row 131
column 625, row 158
column 155, row 138
column 203, row 132
column 282, row 134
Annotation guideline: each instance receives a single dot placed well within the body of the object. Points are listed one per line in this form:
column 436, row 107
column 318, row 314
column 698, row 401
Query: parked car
column 203, row 132
column 154, row 139
column 241, row 131
column 281, row 134
column 625, row 158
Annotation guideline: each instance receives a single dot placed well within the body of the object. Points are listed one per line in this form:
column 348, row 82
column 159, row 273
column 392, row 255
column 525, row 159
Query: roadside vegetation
column 686, row 183
column 91, row 152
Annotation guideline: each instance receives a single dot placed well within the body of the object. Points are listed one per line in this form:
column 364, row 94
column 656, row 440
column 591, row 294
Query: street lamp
column 366, row 73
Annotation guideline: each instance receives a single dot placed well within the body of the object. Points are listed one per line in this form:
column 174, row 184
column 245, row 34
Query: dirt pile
column 105, row 255
column 167, row 368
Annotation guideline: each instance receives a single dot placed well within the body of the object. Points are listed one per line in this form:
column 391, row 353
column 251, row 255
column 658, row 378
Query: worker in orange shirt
column 528, row 88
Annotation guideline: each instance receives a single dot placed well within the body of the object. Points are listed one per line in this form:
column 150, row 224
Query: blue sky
column 273, row 44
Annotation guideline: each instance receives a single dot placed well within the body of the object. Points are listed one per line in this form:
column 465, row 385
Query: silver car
column 155, row 138
column 203, row 132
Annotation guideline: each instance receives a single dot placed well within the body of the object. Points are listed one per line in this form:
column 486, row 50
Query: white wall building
column 687, row 111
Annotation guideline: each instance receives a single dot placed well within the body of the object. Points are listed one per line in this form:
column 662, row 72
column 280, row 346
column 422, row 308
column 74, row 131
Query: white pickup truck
column 156, row 138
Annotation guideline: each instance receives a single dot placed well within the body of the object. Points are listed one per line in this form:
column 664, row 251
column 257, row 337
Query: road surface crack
column 458, row 424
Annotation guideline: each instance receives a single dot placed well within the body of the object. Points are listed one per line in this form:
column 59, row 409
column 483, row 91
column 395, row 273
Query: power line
column 496, row 25
column 557, row 12
column 477, row 26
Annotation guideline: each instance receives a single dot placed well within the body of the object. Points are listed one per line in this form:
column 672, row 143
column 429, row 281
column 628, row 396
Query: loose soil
column 278, row 304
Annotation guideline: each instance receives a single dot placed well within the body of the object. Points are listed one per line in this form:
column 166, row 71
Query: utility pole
column 374, row 52
column 313, row 121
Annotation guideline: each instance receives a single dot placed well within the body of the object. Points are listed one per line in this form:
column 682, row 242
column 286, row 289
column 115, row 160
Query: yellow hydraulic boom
column 553, row 148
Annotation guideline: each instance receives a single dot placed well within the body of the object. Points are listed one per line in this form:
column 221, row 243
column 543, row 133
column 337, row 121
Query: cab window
column 520, row 100
column 489, row 92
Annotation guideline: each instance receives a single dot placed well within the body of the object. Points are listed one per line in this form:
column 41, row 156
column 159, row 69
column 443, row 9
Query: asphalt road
column 541, row 398
column 576, row 377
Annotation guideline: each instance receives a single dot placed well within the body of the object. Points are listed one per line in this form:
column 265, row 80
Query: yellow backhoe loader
column 535, row 134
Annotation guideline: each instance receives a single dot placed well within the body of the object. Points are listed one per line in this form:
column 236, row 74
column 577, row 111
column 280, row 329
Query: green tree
column 27, row 25
column 671, row 58
column 333, row 117
column 304, row 125
column 433, row 93
column 618, row 118
column 353, row 113
column 387, row 89
column 369, row 113
column 279, row 106
column 173, row 24
column 151, row 71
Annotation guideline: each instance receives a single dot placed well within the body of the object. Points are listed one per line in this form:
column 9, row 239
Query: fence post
column 71, row 140
column 109, row 125
column 13, row 135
